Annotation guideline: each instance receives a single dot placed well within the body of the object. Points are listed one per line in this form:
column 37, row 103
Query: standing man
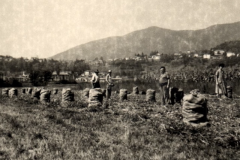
column 220, row 82
column 109, row 84
column 95, row 80
column 164, row 82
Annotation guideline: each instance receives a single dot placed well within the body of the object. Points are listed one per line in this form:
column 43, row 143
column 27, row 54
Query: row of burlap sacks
column 41, row 94
column 174, row 95
column 194, row 107
column 95, row 96
column 7, row 92
column 150, row 95
column 136, row 91
column 67, row 96
column 31, row 90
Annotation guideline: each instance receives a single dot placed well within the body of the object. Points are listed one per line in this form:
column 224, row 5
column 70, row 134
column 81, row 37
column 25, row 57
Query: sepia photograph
column 119, row 80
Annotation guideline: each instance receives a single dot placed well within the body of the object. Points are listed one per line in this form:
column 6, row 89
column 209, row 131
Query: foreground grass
column 133, row 129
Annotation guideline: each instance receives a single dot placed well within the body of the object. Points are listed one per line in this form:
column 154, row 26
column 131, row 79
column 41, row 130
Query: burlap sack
column 55, row 91
column 44, row 96
column 150, row 96
column 95, row 97
column 5, row 92
column 142, row 92
column 229, row 91
column 195, row 92
column 179, row 95
column 198, row 99
column 67, row 97
column 36, row 93
column 23, row 90
column 194, row 110
column 86, row 92
column 104, row 92
column 123, row 94
column 173, row 95
column 135, row 78
column 29, row 90
column 13, row 92
column 135, row 90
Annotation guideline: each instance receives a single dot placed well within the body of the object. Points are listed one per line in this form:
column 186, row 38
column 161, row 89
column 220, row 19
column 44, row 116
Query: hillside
column 153, row 38
column 233, row 46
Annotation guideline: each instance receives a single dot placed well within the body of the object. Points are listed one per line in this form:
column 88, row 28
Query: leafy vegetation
column 13, row 65
column 40, row 78
column 10, row 83
column 39, row 70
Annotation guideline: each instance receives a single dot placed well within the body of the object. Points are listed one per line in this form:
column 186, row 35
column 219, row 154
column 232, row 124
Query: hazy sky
column 43, row 28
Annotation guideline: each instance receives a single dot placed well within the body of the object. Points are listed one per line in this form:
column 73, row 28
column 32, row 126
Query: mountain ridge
column 153, row 38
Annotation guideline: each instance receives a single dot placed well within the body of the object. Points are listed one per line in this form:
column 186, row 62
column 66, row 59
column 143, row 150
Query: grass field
column 133, row 129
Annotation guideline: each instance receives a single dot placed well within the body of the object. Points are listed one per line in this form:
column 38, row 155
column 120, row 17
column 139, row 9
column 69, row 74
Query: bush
column 40, row 78
column 15, row 83
column 66, row 82
column 10, row 83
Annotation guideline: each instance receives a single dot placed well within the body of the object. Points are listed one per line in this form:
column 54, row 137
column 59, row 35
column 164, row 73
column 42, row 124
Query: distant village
column 215, row 54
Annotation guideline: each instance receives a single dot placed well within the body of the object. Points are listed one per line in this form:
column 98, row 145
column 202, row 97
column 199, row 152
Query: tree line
column 39, row 70
column 21, row 64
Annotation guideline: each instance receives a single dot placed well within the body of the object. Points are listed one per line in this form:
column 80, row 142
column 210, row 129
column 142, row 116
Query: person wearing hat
column 220, row 88
column 164, row 81
column 109, row 84
column 95, row 80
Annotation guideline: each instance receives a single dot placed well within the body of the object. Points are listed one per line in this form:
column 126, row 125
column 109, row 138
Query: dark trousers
column 108, row 92
column 164, row 93
column 96, row 85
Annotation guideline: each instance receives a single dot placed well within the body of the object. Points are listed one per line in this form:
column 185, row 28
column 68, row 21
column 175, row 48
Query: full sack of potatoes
column 194, row 109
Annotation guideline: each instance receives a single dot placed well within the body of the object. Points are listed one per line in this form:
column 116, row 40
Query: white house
column 87, row 73
column 206, row 56
column 138, row 58
column 156, row 57
column 218, row 52
column 62, row 75
column 195, row 55
column 177, row 54
column 230, row 54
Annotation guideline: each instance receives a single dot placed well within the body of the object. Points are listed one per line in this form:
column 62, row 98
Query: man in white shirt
column 95, row 80
column 109, row 84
